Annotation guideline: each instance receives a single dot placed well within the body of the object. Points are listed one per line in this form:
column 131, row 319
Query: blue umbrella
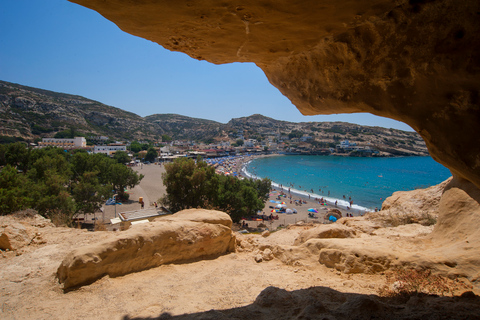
column 312, row 210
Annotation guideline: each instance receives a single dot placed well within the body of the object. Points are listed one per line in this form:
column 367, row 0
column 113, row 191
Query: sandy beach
column 151, row 188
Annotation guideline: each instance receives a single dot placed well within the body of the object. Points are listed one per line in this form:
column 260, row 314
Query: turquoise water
column 367, row 181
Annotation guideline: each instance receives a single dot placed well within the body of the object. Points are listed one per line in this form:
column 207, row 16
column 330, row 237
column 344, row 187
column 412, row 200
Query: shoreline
column 343, row 204
column 309, row 201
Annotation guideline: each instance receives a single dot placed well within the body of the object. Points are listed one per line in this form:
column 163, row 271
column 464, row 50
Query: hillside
column 34, row 113
column 186, row 128
column 30, row 113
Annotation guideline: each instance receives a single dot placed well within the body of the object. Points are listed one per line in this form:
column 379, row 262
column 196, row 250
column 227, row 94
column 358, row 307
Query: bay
column 366, row 181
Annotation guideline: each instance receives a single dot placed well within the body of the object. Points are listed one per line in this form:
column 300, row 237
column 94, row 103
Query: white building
column 110, row 149
column 306, row 138
column 77, row 142
column 250, row 143
column 346, row 145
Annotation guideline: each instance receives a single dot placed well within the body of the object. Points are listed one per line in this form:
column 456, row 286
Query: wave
column 307, row 195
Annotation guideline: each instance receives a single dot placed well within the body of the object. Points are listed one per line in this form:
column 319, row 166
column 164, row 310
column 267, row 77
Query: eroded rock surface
column 176, row 238
column 413, row 61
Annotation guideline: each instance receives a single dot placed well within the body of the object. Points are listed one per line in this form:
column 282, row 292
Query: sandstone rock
column 265, row 233
column 351, row 258
column 147, row 246
column 267, row 255
column 416, row 206
column 201, row 215
column 325, row 231
column 14, row 237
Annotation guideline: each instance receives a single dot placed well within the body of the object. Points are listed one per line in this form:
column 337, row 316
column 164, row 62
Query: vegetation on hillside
column 194, row 184
column 57, row 183
column 31, row 114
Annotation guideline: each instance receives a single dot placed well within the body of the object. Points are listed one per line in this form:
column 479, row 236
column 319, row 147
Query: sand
column 151, row 188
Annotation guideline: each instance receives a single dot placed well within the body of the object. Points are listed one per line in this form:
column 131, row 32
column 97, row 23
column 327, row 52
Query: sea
column 365, row 181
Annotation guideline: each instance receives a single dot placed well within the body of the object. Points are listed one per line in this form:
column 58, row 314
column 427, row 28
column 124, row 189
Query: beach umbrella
column 280, row 206
column 312, row 210
column 283, row 203
column 289, row 211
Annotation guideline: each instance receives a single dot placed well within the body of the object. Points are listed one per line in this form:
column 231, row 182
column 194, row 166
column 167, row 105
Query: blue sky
column 60, row 46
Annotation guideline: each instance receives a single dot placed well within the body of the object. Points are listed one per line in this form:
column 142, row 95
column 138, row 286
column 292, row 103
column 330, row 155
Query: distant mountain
column 31, row 113
column 186, row 128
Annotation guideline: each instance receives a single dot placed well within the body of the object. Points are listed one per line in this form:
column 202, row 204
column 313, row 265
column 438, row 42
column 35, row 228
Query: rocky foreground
column 306, row 271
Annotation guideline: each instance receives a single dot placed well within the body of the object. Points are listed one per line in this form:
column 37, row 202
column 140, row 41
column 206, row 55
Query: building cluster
column 81, row 143
column 178, row 148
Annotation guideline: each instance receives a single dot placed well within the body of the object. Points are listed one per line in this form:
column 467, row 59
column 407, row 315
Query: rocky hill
column 186, row 128
column 30, row 113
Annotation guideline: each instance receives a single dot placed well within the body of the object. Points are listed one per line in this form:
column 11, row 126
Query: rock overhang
column 415, row 61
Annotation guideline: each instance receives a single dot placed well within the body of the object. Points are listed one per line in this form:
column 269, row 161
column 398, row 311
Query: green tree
column 295, row 134
column 135, row 147
column 151, row 155
column 238, row 143
column 17, row 155
column 166, row 138
column 51, row 175
column 3, row 155
column 14, row 189
column 51, row 195
column 192, row 185
column 121, row 157
column 121, row 177
column 89, row 194
column 189, row 185
column 68, row 134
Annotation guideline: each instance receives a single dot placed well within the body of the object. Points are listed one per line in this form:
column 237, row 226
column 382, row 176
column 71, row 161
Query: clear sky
column 60, row 46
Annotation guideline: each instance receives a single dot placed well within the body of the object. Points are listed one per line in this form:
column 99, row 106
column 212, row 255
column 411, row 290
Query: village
column 235, row 144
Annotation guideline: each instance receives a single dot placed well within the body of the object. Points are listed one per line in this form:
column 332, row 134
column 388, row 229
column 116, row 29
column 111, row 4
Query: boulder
column 416, row 206
column 325, row 231
column 144, row 246
column 14, row 237
column 201, row 215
